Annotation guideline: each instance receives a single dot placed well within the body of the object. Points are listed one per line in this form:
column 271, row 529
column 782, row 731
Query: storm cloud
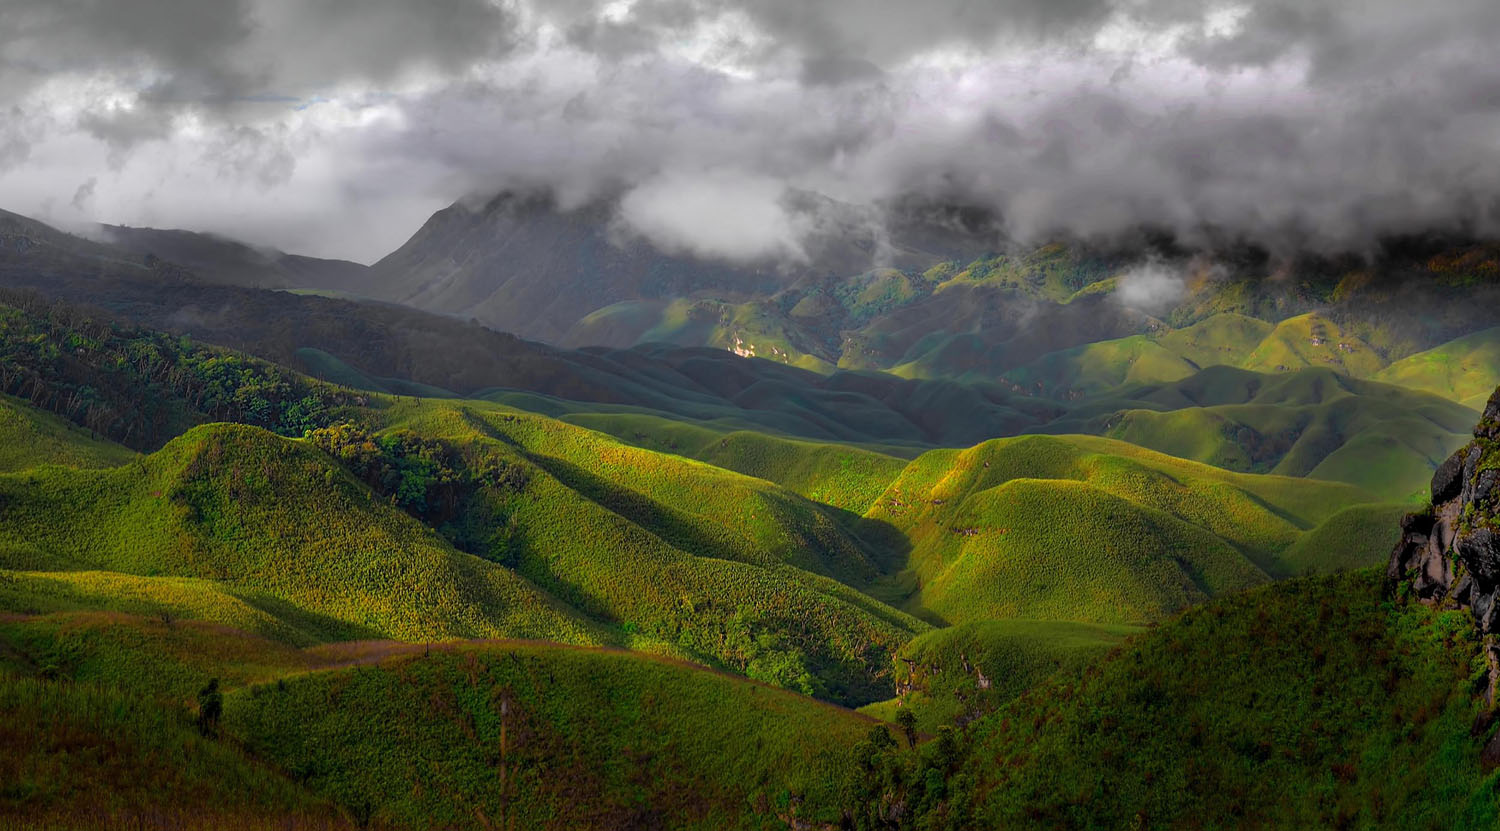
column 334, row 126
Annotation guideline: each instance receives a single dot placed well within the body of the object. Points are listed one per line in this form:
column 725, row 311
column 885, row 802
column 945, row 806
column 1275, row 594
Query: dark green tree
column 210, row 708
column 908, row 723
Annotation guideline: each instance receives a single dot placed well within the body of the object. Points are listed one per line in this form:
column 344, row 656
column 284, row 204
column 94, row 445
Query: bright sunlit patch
column 617, row 11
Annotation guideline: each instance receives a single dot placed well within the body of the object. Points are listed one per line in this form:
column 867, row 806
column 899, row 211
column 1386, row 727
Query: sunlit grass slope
column 846, row 477
column 31, row 437
column 720, row 565
column 1314, row 340
column 1360, row 536
column 166, row 598
column 708, row 510
column 642, row 548
column 1314, row 422
column 757, row 329
column 164, row 658
column 1086, row 528
column 1224, row 339
column 1096, row 367
column 271, row 516
column 1061, row 550
column 530, row 736
column 1465, row 370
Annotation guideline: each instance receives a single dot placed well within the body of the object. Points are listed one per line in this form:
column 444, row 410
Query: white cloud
column 722, row 215
column 1151, row 287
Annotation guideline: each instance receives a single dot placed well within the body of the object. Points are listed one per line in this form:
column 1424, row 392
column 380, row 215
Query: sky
column 336, row 127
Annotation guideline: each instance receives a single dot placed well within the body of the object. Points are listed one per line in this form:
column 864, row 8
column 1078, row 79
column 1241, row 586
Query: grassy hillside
column 1465, row 370
column 651, row 548
column 411, row 736
column 84, row 756
column 1225, row 339
column 1357, row 537
column 415, row 601
column 31, row 437
column 697, row 507
column 846, row 477
column 260, row 516
column 1313, row 422
column 759, row 329
column 161, row 658
column 1067, row 550
column 263, row 514
column 951, row 676
column 1096, row 367
column 1085, row 528
column 1309, row 704
column 531, row 736
column 166, row 598
column 717, row 564
column 1314, row 340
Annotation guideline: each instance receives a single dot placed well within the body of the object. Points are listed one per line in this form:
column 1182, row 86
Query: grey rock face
column 1479, row 550
column 1451, row 554
column 1489, row 423
column 1448, row 481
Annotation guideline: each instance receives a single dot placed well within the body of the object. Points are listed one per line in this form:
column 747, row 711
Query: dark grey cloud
column 888, row 31
column 1286, row 122
column 183, row 54
column 872, row 32
column 180, row 38
column 838, row 71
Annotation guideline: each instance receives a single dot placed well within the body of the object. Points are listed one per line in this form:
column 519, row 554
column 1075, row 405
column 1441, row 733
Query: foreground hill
column 85, row 756
column 1308, row 704
column 540, row 736
column 398, row 736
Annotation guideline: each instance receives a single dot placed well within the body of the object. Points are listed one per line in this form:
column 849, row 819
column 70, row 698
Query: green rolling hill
column 398, row 735
column 1083, row 528
column 1465, row 370
column 1314, row 422
column 237, row 505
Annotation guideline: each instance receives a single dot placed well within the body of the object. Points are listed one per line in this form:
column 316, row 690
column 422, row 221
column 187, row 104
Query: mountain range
column 532, row 524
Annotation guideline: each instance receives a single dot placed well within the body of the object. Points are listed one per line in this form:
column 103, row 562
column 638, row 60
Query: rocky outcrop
column 1450, row 554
